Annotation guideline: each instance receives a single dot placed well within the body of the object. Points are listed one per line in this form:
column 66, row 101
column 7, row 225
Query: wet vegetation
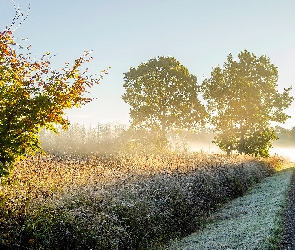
column 254, row 221
column 118, row 200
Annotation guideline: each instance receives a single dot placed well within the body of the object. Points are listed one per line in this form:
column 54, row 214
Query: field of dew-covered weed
column 254, row 221
column 118, row 201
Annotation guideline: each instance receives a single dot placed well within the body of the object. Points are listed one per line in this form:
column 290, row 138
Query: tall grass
column 118, row 201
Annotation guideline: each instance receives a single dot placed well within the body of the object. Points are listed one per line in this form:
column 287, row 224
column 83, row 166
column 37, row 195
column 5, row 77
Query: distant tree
column 286, row 137
column 292, row 134
column 33, row 95
column 243, row 99
column 163, row 96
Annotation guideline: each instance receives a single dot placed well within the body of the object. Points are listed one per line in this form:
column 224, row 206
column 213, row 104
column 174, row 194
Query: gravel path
column 289, row 234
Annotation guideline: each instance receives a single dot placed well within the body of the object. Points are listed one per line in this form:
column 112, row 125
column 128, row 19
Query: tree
column 243, row 100
column 163, row 96
column 286, row 137
column 33, row 95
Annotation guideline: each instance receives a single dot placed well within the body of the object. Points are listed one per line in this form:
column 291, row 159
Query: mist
column 287, row 152
column 111, row 138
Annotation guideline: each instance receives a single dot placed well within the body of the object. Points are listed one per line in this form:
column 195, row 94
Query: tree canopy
column 33, row 95
column 163, row 96
column 243, row 99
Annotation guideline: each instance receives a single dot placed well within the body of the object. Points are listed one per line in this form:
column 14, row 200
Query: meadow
column 119, row 201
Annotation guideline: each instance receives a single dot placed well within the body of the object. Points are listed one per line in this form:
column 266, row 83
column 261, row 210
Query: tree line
column 286, row 137
column 239, row 100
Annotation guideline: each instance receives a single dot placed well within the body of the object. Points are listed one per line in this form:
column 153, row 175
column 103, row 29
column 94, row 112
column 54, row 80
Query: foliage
column 243, row 99
column 163, row 96
column 259, row 143
column 33, row 95
column 117, row 201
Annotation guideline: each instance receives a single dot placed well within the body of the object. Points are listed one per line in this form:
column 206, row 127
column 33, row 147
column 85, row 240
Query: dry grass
column 118, row 201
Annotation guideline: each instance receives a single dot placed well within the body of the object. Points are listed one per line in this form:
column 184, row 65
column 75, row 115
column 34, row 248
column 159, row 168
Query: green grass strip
column 254, row 221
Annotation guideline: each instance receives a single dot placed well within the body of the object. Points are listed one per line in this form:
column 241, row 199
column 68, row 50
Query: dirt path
column 289, row 233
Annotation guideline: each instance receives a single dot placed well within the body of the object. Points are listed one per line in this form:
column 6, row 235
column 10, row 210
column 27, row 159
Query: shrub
column 119, row 201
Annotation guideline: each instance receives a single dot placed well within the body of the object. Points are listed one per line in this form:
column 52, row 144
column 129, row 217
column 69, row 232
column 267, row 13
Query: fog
column 114, row 137
column 209, row 147
column 287, row 152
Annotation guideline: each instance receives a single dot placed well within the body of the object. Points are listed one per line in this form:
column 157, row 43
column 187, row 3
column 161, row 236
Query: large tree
column 163, row 96
column 243, row 100
column 33, row 95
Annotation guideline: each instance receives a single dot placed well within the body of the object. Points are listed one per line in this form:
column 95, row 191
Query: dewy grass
column 253, row 221
column 118, row 201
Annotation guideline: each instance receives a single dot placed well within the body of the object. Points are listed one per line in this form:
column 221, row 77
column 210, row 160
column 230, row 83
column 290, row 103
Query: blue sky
column 200, row 34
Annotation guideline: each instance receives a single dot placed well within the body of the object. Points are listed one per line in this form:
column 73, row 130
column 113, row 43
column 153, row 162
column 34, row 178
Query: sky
column 122, row 34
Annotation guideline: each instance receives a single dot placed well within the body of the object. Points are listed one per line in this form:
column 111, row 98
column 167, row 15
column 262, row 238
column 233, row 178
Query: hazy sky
column 200, row 34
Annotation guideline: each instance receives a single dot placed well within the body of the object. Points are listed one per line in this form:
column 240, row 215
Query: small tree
column 33, row 95
column 163, row 96
column 243, row 99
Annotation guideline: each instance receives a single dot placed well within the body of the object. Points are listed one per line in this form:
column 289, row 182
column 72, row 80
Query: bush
column 119, row 202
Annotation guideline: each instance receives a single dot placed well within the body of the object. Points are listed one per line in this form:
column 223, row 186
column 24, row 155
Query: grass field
column 119, row 201
column 254, row 221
